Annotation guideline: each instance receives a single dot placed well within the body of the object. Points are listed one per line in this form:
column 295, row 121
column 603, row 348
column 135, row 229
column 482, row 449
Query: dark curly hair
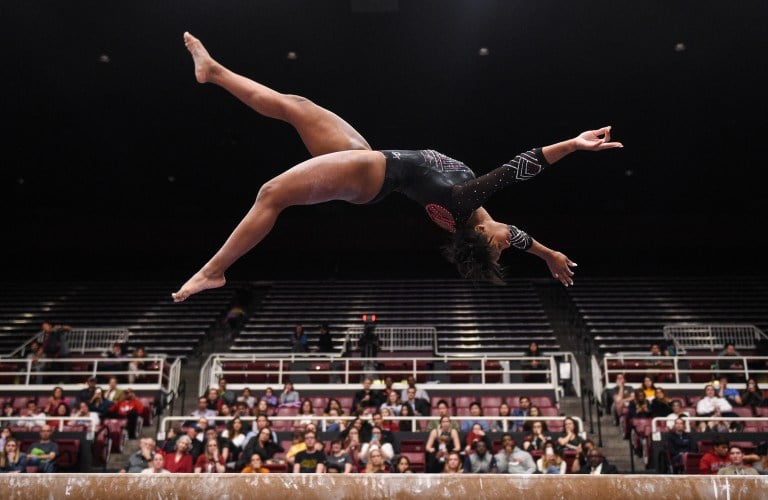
column 473, row 256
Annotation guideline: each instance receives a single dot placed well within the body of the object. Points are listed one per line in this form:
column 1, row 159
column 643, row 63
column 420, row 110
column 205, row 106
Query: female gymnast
column 344, row 167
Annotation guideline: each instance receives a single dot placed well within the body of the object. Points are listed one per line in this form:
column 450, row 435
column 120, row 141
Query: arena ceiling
column 116, row 163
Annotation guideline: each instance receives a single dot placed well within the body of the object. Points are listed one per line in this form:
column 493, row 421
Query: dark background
column 130, row 169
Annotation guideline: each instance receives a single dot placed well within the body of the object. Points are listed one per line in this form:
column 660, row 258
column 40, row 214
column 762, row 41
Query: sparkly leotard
column 448, row 189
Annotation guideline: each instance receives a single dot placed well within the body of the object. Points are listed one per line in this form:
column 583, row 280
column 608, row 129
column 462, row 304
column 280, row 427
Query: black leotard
column 447, row 188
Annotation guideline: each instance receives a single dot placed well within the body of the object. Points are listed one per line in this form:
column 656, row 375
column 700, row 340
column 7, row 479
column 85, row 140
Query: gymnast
column 344, row 167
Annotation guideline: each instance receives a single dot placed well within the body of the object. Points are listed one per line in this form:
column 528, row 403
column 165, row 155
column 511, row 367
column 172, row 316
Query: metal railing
column 395, row 338
column 266, row 370
column 711, row 337
column 656, row 431
column 324, row 420
column 81, row 340
column 154, row 373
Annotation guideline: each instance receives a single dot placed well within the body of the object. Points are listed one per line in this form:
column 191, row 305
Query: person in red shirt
column 129, row 408
column 715, row 459
column 180, row 460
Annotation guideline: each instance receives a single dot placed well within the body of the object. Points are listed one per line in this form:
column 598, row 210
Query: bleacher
column 145, row 309
column 468, row 318
column 629, row 314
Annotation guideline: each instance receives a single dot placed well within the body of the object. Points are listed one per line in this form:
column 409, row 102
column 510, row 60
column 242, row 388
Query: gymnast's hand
column 560, row 267
column 596, row 140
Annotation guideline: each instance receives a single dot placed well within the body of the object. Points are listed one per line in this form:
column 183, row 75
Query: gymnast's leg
column 322, row 131
column 353, row 176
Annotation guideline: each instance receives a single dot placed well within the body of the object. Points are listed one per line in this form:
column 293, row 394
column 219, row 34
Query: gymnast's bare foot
column 197, row 283
column 205, row 65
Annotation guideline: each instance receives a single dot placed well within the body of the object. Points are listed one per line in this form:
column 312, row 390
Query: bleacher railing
column 684, row 372
column 661, row 424
column 267, row 370
column 154, row 373
column 82, row 340
column 60, row 424
column 396, row 338
column 323, row 421
column 711, row 337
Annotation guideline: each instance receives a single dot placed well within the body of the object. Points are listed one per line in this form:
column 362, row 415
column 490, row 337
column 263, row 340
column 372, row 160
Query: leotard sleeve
column 471, row 195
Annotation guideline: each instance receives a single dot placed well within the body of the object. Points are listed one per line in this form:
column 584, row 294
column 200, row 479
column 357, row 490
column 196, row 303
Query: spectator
column 54, row 340
column 211, row 461
column 213, row 401
column 569, row 440
column 475, row 411
column 99, row 405
column 402, row 465
column 535, row 411
column 57, row 397
column 551, row 462
column 202, row 410
column 338, row 460
column 534, row 364
column 661, row 406
column 62, row 412
column 299, row 341
column 84, row 416
column 227, row 395
column 475, row 434
column 196, row 445
column 378, row 443
column 366, row 397
column 325, row 340
column 581, row 459
column 649, row 388
column 620, row 397
column 269, row 398
column 387, row 436
column 137, row 365
column 417, row 406
column 597, row 464
column 737, row 466
column 406, row 425
column 679, row 441
column 310, row 460
column 503, row 424
column 333, row 404
column 12, row 459
column 85, row 395
column 392, row 403
column 442, row 411
column 638, row 408
column 113, row 393
column 387, row 424
column 522, row 411
column 729, row 362
column 157, row 465
column 297, row 445
column 35, row 357
column 261, row 422
column 262, row 445
column 480, row 461
column 453, row 463
column 753, row 396
column 140, row 460
column 247, row 398
column 130, row 408
column 31, row 410
column 235, row 437
column 538, row 437
column 677, row 412
column 419, row 393
column 306, row 415
column 376, row 463
column 334, row 423
column 5, row 434
column 180, row 461
column 713, row 406
column 442, row 440
column 716, row 458
column 211, row 433
column 43, row 453
column 242, row 410
column 289, row 396
column 514, row 460
column 255, row 466
column 725, row 392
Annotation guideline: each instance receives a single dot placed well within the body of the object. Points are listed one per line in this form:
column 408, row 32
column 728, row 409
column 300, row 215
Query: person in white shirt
column 712, row 406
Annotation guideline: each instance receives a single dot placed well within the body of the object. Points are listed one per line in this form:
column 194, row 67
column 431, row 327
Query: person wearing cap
column 85, row 395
